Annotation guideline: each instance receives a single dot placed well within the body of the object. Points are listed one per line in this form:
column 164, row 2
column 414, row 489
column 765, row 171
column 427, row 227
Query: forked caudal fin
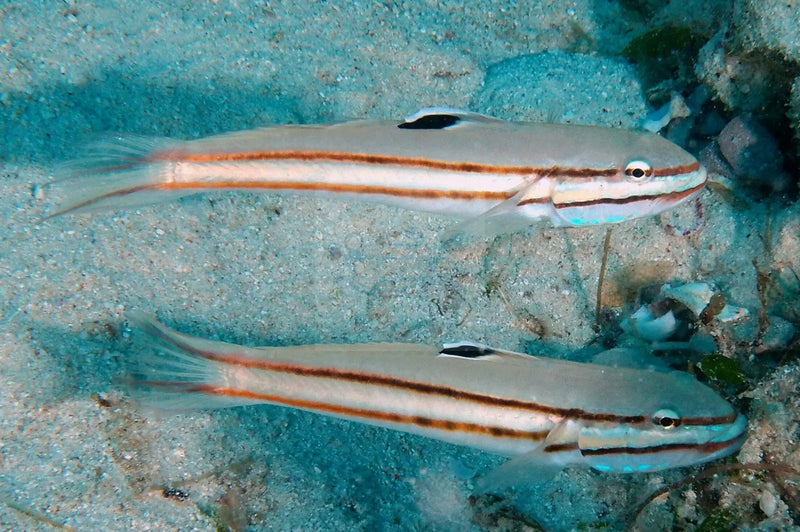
column 175, row 371
column 115, row 173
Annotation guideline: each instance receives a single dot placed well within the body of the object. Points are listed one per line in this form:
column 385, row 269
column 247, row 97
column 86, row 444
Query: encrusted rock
column 753, row 153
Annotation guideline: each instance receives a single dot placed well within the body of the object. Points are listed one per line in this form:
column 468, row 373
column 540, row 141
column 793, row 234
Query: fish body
column 502, row 174
column 547, row 413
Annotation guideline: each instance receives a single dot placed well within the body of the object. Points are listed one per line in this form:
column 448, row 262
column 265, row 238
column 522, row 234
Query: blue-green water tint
column 257, row 269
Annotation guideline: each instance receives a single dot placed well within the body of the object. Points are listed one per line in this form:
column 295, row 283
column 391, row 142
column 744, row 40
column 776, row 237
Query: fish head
column 685, row 423
column 640, row 174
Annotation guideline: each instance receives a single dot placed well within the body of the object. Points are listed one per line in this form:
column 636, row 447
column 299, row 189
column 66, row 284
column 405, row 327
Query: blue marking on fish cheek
column 584, row 221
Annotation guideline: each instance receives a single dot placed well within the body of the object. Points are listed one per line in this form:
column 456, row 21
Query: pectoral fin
column 535, row 467
column 538, row 466
column 505, row 217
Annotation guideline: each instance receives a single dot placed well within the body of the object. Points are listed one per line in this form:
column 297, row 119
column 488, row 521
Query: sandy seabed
column 77, row 453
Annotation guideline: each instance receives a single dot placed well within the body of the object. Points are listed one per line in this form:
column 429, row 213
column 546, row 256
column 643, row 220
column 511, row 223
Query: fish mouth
column 729, row 441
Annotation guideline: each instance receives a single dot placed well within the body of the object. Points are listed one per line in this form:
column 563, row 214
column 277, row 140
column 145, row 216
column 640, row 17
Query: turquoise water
column 76, row 452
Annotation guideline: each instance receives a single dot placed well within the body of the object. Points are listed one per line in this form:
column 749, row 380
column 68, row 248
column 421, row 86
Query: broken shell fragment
column 645, row 325
column 695, row 296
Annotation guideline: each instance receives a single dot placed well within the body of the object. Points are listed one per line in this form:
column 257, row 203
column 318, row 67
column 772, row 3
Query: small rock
column 753, row 153
column 334, row 252
column 712, row 159
column 37, row 192
column 779, row 334
column 767, row 503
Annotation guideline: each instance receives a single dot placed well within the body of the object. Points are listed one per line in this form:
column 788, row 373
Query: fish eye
column 666, row 418
column 638, row 171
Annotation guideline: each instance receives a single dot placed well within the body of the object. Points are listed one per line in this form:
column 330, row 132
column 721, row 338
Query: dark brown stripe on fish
column 730, row 418
column 677, row 170
column 561, row 447
column 375, row 415
column 708, row 447
column 382, row 160
column 418, row 162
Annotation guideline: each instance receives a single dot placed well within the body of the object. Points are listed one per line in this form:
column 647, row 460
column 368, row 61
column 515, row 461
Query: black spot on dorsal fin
column 434, row 121
column 467, row 350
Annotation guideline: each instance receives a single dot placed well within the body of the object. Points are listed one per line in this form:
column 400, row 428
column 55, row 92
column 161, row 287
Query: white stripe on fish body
column 407, row 187
column 546, row 412
column 441, row 161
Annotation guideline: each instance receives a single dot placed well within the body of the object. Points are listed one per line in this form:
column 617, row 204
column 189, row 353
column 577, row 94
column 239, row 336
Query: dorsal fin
column 474, row 351
column 467, row 350
column 442, row 118
column 440, row 121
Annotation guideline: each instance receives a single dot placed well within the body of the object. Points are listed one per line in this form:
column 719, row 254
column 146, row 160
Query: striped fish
column 499, row 175
column 547, row 413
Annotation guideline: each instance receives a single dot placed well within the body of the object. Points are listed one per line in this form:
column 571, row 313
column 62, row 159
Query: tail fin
column 175, row 371
column 119, row 172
